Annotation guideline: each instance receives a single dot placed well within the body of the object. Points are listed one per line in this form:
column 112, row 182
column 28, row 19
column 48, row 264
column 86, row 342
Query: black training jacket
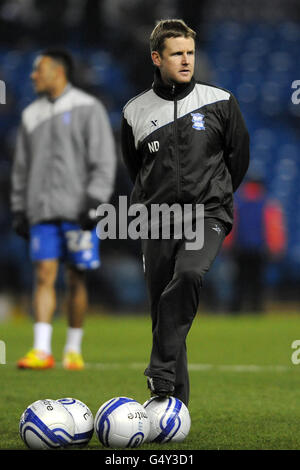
column 186, row 144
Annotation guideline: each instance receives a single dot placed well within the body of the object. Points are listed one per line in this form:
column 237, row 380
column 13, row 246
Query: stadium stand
column 255, row 58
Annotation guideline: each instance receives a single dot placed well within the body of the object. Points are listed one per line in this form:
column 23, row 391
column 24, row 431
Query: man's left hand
column 88, row 219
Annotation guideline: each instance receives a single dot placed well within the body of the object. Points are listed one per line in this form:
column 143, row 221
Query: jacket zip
column 176, row 145
column 49, row 169
column 52, row 143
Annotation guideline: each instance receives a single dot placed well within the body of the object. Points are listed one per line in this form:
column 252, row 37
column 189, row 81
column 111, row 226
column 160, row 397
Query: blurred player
column 183, row 142
column 259, row 236
column 64, row 167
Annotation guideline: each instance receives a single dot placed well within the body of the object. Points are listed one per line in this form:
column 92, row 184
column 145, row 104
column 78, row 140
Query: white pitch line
column 240, row 367
column 192, row 367
column 198, row 367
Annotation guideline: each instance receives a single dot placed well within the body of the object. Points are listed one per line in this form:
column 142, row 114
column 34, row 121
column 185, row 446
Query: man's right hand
column 20, row 224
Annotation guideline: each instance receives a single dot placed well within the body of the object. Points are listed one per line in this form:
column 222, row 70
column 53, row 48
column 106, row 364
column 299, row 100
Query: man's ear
column 156, row 59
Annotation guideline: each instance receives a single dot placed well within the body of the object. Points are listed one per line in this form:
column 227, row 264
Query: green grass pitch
column 245, row 390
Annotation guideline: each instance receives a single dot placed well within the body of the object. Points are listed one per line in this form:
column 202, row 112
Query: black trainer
column 160, row 387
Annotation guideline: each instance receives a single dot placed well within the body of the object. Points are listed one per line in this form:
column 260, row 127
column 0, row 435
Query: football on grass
column 46, row 424
column 169, row 419
column 83, row 420
column 122, row 422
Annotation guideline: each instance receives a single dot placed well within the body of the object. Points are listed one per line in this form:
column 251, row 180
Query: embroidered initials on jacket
column 153, row 146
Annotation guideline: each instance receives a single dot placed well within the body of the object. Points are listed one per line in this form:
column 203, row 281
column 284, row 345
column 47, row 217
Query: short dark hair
column 169, row 29
column 62, row 57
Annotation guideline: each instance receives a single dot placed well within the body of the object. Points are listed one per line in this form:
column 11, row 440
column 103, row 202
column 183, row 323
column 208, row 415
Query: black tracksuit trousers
column 174, row 277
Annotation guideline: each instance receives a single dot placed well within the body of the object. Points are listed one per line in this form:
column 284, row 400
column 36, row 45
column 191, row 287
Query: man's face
column 44, row 74
column 177, row 60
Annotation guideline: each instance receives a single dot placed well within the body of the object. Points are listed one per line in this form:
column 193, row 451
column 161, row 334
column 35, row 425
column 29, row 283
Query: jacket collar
column 171, row 92
column 65, row 90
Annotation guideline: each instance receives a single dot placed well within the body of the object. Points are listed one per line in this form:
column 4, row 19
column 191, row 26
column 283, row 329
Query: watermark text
column 158, row 221
column 2, row 352
column 296, row 94
column 2, row 92
column 295, row 358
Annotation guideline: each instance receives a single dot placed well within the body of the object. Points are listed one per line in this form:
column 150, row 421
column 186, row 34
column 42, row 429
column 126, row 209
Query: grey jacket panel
column 65, row 153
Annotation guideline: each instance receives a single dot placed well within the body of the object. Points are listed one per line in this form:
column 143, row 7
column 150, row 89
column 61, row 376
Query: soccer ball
column 46, row 424
column 122, row 422
column 169, row 419
column 83, row 419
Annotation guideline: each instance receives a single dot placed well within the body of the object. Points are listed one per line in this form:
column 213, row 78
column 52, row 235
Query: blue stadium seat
column 258, row 63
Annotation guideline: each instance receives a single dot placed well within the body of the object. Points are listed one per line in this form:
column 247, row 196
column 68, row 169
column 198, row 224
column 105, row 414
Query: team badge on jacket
column 67, row 117
column 198, row 121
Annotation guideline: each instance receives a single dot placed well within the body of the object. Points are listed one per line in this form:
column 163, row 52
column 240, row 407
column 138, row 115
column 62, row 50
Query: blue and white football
column 169, row 419
column 46, row 424
column 122, row 422
column 83, row 419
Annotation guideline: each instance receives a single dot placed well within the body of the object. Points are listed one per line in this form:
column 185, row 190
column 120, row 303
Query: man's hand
column 88, row 218
column 20, row 224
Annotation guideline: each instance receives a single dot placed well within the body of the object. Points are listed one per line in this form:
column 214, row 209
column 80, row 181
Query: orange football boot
column 73, row 361
column 36, row 359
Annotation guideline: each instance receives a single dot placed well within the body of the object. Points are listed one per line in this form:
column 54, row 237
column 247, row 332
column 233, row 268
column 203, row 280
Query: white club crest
column 198, row 121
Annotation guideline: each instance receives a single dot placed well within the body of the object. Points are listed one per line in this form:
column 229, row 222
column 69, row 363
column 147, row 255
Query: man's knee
column 184, row 280
column 76, row 279
column 46, row 272
column 189, row 276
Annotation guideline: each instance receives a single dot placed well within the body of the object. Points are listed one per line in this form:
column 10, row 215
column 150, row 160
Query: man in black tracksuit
column 183, row 142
